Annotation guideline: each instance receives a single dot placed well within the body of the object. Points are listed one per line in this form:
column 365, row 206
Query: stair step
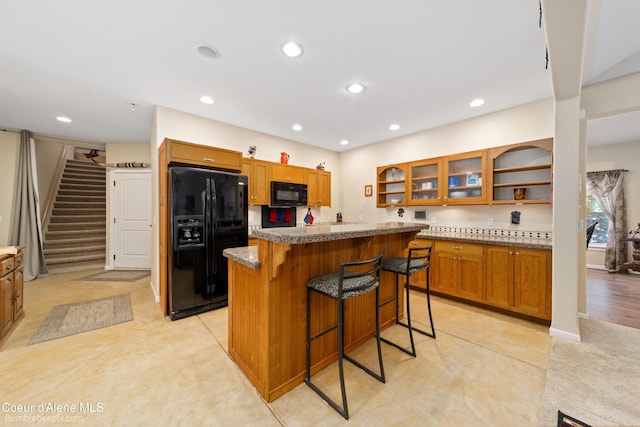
column 86, row 163
column 90, row 176
column 74, row 198
column 58, row 235
column 77, row 242
column 53, row 255
column 74, row 192
column 85, row 226
column 76, row 259
column 77, row 219
column 84, row 185
column 78, row 211
column 75, row 266
column 80, row 204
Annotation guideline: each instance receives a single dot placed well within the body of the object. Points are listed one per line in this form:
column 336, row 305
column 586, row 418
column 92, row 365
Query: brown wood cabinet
column 471, row 178
column 258, row 173
column 418, row 280
column 202, row 155
column 11, row 290
column 527, row 165
column 512, row 278
column 288, row 173
column 462, row 174
column 458, row 269
column 391, row 185
column 519, row 279
column 319, row 188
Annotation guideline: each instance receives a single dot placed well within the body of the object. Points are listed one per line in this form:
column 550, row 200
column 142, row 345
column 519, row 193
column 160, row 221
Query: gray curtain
column 27, row 229
column 607, row 187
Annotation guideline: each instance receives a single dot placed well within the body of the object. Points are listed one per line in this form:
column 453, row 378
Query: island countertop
column 325, row 233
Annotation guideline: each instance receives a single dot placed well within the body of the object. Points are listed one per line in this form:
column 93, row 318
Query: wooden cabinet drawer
column 286, row 173
column 7, row 265
column 220, row 158
column 457, row 247
column 19, row 260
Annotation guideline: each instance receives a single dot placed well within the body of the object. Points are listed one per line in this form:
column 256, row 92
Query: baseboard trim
column 569, row 336
column 156, row 297
column 583, row 315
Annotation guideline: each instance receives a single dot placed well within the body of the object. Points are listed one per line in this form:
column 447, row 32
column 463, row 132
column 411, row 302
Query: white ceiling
column 422, row 61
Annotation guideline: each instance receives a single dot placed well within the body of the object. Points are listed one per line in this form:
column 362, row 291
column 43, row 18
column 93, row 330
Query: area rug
column 78, row 317
column 116, row 276
column 596, row 380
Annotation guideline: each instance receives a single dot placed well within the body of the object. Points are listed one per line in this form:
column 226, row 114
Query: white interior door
column 132, row 219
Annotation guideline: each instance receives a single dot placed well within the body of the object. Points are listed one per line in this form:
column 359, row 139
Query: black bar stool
column 340, row 286
column 418, row 260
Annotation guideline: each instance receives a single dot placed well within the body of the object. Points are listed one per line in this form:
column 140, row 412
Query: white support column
column 566, row 188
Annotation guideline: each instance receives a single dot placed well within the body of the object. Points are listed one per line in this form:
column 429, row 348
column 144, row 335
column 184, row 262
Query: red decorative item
column 284, row 158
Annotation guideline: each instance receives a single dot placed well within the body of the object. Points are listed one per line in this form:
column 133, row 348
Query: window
column 594, row 213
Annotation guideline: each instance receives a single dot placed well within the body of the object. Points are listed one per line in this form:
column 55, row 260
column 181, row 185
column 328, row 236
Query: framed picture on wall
column 368, row 190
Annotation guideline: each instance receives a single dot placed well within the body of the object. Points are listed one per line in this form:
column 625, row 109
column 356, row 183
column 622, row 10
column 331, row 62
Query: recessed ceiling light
column 344, row 142
column 355, row 88
column 394, row 126
column 292, row 49
column 63, row 119
column 476, row 102
column 297, row 127
column 208, row 52
column 206, row 100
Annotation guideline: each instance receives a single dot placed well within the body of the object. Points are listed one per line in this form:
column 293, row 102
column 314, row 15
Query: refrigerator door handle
column 214, row 219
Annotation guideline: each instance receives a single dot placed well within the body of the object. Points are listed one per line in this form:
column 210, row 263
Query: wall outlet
column 433, row 220
column 489, row 221
column 358, row 217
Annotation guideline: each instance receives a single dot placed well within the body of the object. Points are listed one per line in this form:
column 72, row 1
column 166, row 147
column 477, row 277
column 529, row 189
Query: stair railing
column 53, row 189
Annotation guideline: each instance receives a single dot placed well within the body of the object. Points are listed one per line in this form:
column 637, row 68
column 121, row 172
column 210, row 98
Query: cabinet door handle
column 207, row 159
column 517, row 253
column 510, row 253
column 458, row 248
column 9, row 267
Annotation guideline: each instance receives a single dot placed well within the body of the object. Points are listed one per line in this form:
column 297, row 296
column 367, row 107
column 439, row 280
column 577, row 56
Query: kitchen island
column 267, row 297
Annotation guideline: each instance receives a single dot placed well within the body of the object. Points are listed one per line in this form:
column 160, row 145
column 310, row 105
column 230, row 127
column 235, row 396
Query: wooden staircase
column 76, row 233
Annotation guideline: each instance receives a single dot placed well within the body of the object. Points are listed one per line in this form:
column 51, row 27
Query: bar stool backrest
column 418, row 259
column 358, row 277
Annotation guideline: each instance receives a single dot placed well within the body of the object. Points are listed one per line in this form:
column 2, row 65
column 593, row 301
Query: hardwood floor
column 614, row 297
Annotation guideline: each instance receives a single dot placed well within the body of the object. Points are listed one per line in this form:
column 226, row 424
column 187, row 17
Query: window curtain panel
column 27, row 228
column 607, row 187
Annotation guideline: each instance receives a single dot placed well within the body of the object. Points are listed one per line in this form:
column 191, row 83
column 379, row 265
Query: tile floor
column 484, row 369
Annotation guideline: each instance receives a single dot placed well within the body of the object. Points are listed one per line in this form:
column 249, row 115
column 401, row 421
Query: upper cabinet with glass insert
column 463, row 178
column 425, row 183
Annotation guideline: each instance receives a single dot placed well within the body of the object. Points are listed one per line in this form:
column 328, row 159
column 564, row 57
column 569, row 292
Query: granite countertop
column 246, row 255
column 533, row 240
column 324, row 233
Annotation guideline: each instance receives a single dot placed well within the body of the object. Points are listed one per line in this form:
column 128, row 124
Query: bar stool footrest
column 429, row 334
column 326, row 398
column 364, row 368
column 399, row 347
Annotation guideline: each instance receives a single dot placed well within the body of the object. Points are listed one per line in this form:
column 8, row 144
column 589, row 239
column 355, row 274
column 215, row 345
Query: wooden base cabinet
column 458, row 269
column 11, row 290
column 519, row 279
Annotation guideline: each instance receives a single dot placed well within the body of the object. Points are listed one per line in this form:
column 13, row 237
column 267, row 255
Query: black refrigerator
column 208, row 214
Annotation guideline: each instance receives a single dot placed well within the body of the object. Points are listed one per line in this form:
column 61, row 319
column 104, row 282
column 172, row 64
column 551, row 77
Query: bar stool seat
column 418, row 260
column 354, row 279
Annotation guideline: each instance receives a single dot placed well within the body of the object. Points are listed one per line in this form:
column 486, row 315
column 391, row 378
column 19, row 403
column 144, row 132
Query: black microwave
column 288, row 194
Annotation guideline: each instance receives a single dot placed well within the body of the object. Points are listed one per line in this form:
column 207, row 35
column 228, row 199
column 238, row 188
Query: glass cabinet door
column 425, row 183
column 464, row 178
